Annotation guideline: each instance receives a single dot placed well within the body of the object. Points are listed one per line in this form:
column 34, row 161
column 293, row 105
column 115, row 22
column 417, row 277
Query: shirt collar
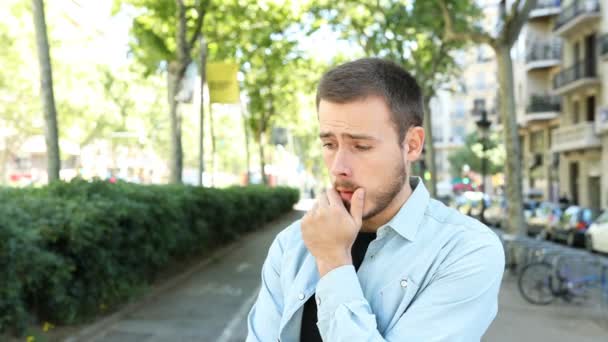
column 408, row 219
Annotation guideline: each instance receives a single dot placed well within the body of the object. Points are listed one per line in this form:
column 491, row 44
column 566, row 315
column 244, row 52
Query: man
column 376, row 259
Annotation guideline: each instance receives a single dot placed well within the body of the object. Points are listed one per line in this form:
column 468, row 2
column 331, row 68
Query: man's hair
column 365, row 77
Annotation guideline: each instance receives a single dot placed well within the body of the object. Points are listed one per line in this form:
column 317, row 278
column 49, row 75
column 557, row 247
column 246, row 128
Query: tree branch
column 519, row 18
column 182, row 48
column 451, row 35
column 514, row 9
column 202, row 11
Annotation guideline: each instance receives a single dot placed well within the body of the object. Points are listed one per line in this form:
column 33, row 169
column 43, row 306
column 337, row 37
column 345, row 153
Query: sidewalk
column 212, row 304
column 558, row 322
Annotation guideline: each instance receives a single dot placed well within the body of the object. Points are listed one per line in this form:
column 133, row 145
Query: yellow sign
column 222, row 82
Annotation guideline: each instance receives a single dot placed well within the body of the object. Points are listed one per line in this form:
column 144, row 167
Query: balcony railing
column 539, row 51
column 576, row 72
column 543, row 103
column 577, row 8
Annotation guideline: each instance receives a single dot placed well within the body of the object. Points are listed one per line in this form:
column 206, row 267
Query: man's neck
column 373, row 223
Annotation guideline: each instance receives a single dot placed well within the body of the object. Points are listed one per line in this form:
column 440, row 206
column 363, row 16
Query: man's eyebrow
column 347, row 135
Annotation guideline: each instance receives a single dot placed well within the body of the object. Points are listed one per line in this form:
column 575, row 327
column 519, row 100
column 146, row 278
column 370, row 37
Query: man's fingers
column 356, row 206
column 323, row 200
column 334, row 198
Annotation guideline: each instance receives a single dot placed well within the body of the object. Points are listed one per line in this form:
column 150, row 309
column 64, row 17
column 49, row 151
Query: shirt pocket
column 395, row 297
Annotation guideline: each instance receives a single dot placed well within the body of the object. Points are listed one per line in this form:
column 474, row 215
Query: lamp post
column 484, row 125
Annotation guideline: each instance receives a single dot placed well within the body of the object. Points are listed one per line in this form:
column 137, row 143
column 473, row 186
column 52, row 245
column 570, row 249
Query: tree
column 265, row 49
column 164, row 37
column 511, row 23
column 46, row 90
column 407, row 34
column 472, row 152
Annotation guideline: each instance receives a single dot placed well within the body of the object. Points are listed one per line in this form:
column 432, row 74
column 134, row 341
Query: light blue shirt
column 431, row 274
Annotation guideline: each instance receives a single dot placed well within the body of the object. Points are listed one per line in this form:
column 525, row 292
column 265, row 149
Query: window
column 458, row 132
column 537, row 141
column 591, row 108
column 459, row 110
column 480, row 81
column 479, row 104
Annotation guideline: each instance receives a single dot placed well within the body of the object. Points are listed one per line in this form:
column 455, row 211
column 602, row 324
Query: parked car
column 596, row 237
column 541, row 216
column 476, row 206
column 571, row 226
column 496, row 212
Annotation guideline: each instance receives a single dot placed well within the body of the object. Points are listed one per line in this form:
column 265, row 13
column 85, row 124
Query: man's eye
column 362, row 148
column 328, row 145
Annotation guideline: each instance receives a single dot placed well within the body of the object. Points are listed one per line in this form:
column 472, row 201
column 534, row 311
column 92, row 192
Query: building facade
column 563, row 102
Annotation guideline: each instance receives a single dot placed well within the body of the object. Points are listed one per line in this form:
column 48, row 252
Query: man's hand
column 329, row 230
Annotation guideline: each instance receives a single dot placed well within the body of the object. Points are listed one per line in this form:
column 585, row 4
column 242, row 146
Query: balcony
column 540, row 108
column 581, row 13
column 581, row 74
column 545, row 9
column 543, row 105
column 541, row 55
column 575, row 137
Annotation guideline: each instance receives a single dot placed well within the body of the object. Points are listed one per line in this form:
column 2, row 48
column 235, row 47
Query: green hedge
column 69, row 249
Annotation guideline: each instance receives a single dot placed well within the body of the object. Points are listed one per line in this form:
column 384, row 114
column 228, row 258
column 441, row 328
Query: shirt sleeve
column 265, row 316
column 458, row 304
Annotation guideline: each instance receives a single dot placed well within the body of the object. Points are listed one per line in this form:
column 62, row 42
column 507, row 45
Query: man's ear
column 414, row 141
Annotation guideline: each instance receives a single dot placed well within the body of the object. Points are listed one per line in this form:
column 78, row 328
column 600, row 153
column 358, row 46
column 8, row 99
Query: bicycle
column 540, row 283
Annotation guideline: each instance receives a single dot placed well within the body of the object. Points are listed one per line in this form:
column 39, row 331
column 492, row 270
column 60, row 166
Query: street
column 212, row 305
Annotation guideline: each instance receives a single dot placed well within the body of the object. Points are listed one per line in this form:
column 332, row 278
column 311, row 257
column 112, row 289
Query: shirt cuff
column 337, row 287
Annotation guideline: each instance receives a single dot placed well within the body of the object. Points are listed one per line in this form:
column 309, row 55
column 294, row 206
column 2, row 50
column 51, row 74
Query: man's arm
column 458, row 305
column 265, row 315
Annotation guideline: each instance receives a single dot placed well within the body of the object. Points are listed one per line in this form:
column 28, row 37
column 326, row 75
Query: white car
column 596, row 237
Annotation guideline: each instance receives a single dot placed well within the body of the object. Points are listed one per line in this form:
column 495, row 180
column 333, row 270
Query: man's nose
column 341, row 164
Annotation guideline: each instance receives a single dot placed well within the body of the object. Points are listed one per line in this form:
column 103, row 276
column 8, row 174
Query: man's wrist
column 328, row 264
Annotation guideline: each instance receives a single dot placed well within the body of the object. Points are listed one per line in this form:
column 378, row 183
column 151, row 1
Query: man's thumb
column 356, row 205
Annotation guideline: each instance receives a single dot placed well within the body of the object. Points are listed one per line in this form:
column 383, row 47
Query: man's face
column 361, row 149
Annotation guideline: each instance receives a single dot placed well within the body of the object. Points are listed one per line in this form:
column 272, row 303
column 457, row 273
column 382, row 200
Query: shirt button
column 318, row 301
column 403, row 283
column 301, row 296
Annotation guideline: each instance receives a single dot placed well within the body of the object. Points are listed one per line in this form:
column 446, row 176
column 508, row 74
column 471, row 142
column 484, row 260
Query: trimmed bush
column 70, row 249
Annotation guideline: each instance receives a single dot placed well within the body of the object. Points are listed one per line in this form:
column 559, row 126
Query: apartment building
column 564, row 126
column 578, row 138
column 538, row 107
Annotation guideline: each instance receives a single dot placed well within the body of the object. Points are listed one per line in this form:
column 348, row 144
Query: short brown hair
column 374, row 76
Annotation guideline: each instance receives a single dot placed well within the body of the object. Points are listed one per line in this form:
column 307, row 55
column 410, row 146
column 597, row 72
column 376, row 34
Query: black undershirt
column 310, row 331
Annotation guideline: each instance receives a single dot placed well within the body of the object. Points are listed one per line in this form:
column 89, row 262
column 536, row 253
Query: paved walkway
column 212, row 305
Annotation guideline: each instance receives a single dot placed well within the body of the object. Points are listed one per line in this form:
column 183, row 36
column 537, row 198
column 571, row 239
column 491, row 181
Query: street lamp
column 484, row 126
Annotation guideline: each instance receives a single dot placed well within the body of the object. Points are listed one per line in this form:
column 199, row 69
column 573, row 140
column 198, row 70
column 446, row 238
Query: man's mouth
column 346, row 195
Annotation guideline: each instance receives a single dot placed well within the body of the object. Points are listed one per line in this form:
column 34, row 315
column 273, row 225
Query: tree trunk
column 262, row 161
column 247, row 153
column 212, row 132
column 201, row 136
column 46, row 91
column 429, row 148
column 176, row 158
column 515, row 219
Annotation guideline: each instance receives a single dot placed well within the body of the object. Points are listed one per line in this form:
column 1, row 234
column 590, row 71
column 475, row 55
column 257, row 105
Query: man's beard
column 382, row 197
